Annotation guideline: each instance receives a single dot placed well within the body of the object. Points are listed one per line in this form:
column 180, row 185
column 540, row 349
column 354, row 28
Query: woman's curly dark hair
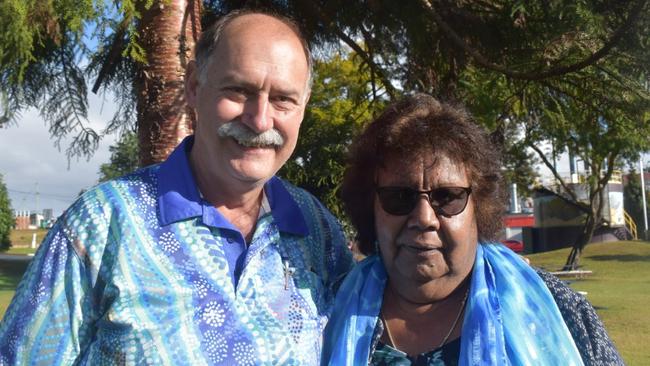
column 413, row 126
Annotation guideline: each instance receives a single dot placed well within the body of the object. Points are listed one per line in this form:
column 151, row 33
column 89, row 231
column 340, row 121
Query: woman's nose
column 423, row 215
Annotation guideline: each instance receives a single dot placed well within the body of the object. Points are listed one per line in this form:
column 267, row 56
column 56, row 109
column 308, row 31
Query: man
column 207, row 258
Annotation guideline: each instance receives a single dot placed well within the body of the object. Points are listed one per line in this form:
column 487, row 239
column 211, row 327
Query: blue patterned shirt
column 141, row 270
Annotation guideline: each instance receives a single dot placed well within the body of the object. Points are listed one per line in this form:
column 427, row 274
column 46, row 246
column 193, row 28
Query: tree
column 137, row 49
column 340, row 105
column 6, row 217
column 124, row 158
column 602, row 136
column 514, row 63
column 561, row 71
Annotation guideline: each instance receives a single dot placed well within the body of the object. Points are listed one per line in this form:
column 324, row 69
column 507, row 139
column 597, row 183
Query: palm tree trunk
column 168, row 31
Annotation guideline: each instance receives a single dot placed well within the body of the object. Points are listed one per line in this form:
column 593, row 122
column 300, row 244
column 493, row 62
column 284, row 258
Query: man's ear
column 191, row 83
column 307, row 97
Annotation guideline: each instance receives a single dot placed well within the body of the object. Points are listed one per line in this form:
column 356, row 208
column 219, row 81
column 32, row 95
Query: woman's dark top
column 589, row 335
column 446, row 355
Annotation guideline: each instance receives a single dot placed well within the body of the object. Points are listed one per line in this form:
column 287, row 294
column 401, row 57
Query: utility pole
column 36, row 195
column 645, row 208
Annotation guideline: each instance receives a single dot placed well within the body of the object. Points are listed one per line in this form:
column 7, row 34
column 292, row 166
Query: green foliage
column 507, row 60
column 600, row 121
column 124, row 158
column 565, row 72
column 32, row 29
column 48, row 51
column 6, row 217
column 339, row 107
column 490, row 98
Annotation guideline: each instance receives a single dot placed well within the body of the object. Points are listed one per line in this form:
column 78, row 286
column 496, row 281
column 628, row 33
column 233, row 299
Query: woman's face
column 427, row 255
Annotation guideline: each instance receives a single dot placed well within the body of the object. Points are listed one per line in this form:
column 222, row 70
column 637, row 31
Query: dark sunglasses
column 400, row 201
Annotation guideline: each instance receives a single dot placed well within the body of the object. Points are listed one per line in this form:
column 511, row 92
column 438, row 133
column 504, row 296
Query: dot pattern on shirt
column 111, row 285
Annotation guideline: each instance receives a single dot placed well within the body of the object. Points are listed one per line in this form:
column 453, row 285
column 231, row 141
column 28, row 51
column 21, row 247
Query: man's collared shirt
column 142, row 270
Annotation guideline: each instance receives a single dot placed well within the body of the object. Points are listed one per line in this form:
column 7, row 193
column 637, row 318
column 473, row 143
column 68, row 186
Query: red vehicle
column 514, row 245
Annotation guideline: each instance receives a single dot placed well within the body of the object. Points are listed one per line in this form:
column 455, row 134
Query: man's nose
column 256, row 114
column 423, row 216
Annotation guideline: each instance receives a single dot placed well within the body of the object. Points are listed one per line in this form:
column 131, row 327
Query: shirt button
column 229, row 240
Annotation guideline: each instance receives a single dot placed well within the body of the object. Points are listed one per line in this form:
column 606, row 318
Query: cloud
column 30, row 163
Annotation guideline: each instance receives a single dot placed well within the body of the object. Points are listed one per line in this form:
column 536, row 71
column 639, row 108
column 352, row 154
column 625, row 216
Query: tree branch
column 550, row 166
column 481, row 60
column 390, row 89
column 117, row 46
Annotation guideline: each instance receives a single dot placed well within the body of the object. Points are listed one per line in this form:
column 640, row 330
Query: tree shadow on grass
column 10, row 274
column 621, row 257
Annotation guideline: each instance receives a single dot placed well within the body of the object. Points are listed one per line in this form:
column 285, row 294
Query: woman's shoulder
column 588, row 331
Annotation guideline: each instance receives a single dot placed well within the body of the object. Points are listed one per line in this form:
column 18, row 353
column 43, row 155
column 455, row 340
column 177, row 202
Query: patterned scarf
column 510, row 318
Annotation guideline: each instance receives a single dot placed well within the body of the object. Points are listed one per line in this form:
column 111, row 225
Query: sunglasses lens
column 400, row 201
column 449, row 201
column 397, row 200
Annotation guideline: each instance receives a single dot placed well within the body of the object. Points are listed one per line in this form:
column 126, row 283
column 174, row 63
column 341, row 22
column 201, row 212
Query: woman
column 423, row 190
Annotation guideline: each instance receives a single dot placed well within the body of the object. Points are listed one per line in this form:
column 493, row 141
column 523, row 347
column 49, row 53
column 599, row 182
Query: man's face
column 257, row 78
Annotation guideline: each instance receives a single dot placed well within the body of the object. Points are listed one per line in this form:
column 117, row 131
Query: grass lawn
column 10, row 275
column 619, row 289
column 20, row 250
column 23, row 238
column 12, row 272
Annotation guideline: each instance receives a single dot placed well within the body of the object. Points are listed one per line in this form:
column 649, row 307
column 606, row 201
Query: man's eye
column 282, row 98
column 236, row 93
column 236, row 90
column 283, row 101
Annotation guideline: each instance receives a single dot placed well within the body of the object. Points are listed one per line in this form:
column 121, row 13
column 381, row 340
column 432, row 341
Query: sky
column 37, row 174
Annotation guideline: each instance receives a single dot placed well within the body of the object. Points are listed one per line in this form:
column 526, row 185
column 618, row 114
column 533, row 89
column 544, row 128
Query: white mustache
column 247, row 137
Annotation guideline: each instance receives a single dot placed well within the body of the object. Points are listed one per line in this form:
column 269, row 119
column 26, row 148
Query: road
column 15, row 258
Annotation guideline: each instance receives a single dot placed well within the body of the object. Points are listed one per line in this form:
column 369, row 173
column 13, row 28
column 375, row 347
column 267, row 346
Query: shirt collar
column 179, row 198
column 286, row 213
column 178, row 195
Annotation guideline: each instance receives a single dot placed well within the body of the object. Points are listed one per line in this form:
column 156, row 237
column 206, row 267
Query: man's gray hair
column 210, row 39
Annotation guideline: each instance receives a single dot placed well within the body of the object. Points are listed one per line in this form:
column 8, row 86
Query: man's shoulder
column 99, row 200
column 143, row 178
column 304, row 199
column 296, row 192
column 325, row 244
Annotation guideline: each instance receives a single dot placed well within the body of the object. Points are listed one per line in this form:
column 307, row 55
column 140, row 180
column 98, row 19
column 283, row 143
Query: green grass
column 10, row 275
column 619, row 289
column 23, row 238
column 20, row 250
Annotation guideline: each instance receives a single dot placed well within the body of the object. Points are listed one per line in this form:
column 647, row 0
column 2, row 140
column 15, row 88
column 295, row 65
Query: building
column 21, row 220
column 26, row 220
column 48, row 214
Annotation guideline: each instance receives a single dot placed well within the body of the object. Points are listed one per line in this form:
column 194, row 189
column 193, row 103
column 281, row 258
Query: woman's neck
column 417, row 328
column 395, row 302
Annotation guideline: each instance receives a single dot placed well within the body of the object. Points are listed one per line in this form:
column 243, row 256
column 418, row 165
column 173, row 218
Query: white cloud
column 30, row 162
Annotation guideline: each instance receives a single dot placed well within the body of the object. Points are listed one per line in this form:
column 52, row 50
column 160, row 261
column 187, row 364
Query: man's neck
column 238, row 202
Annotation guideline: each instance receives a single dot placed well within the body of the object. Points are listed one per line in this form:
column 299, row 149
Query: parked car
column 514, row 245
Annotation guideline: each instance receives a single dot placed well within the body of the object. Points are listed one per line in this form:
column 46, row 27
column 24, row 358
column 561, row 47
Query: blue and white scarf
column 510, row 318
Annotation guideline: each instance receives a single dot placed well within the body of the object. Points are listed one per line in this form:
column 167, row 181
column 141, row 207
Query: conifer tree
column 6, row 216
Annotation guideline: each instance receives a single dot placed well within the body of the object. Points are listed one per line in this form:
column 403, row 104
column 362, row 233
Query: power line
column 48, row 195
